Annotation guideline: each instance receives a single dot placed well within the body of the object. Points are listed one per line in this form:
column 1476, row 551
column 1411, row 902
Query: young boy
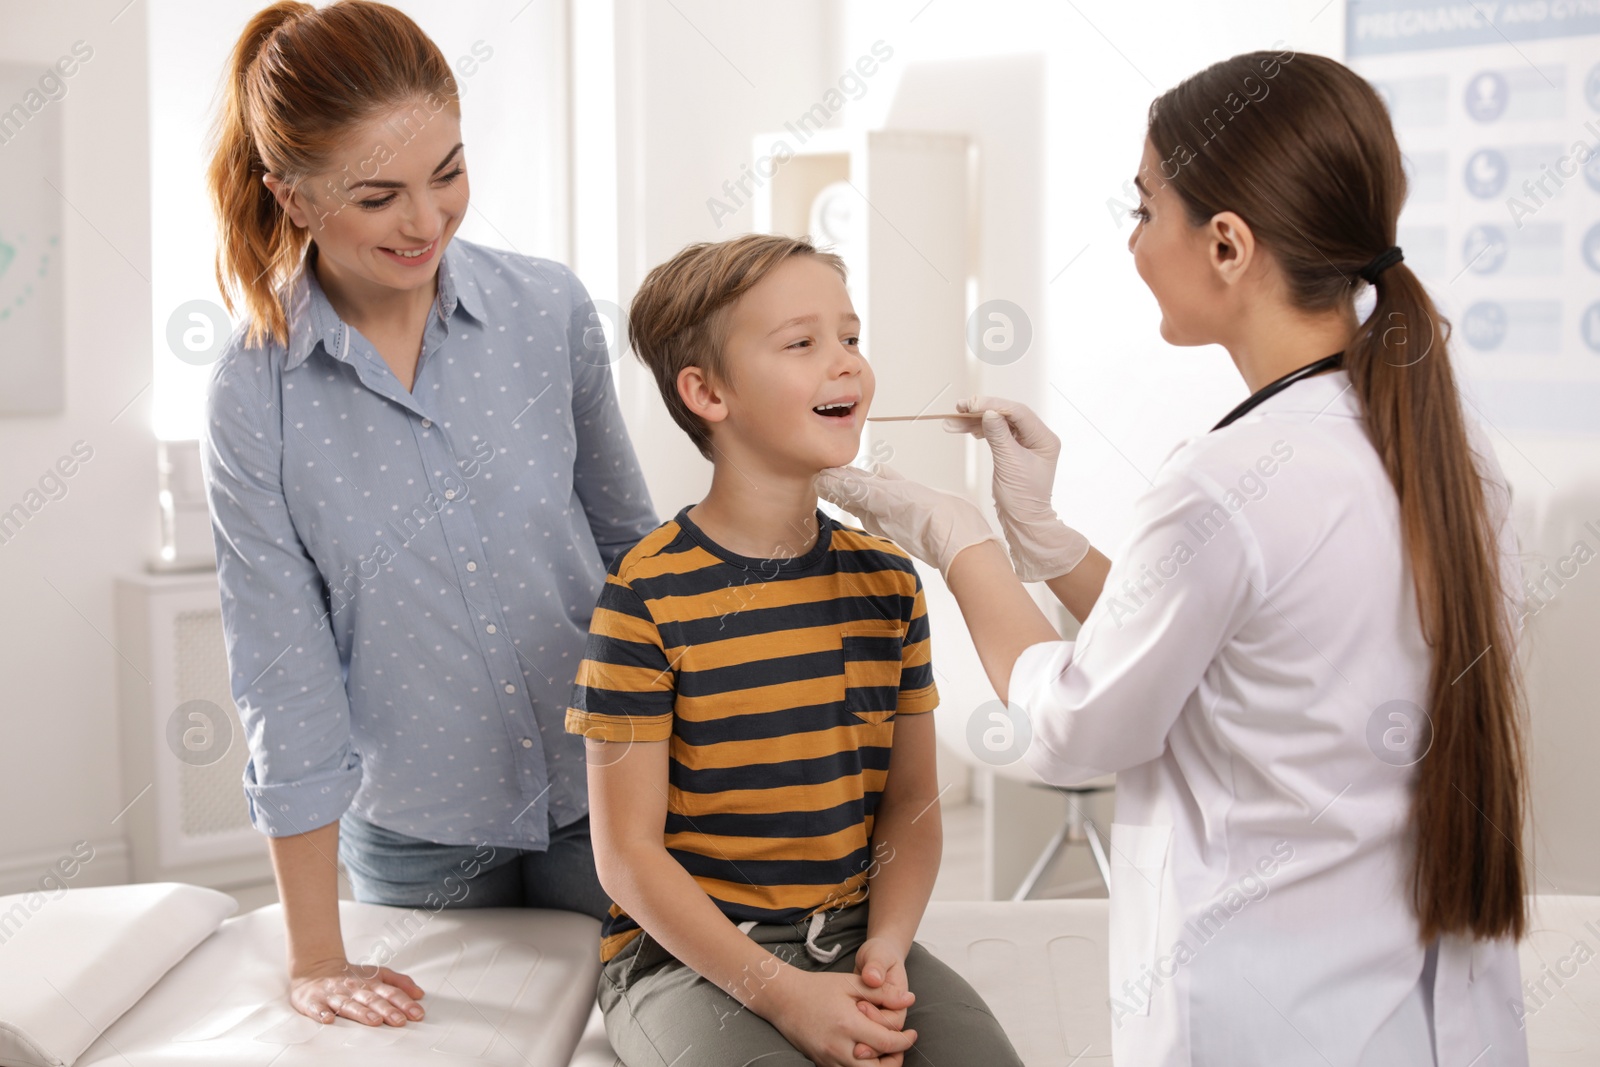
column 761, row 774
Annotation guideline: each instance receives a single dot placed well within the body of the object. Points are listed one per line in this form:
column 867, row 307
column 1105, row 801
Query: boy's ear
column 701, row 395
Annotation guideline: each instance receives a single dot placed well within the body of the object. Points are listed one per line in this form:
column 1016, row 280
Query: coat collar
column 1329, row 393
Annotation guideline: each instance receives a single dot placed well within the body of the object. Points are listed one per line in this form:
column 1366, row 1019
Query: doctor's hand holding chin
column 936, row 527
column 1301, row 664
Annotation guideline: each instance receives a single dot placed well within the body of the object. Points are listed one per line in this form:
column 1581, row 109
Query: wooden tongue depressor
column 918, row 418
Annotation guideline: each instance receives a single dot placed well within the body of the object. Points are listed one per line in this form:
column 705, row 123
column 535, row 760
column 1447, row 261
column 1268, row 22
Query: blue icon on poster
column 1591, row 87
column 1486, row 173
column 1591, row 172
column 1590, row 326
column 1485, row 325
column 1484, row 250
column 1487, row 93
column 1591, row 248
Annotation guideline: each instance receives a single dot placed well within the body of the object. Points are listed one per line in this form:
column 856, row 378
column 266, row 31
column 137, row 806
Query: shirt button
column 471, row 566
column 489, row 628
column 449, row 494
column 426, row 423
column 511, row 689
column 527, row 742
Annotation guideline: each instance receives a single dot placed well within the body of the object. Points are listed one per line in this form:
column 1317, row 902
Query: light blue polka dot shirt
column 407, row 577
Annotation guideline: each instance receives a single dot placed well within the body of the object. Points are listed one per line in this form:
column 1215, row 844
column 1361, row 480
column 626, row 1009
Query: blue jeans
column 386, row 867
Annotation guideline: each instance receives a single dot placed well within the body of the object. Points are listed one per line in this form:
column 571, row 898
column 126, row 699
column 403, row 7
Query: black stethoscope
column 1272, row 389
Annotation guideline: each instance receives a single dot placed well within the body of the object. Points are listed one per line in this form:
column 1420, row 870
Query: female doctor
column 1301, row 663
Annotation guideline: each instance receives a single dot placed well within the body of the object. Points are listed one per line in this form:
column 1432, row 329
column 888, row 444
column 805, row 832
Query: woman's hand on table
column 1025, row 451
column 932, row 525
column 365, row 994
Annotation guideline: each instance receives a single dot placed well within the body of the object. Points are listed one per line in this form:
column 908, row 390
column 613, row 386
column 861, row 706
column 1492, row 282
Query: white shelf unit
column 896, row 205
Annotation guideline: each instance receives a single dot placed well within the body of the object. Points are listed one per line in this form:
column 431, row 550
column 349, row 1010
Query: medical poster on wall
column 32, row 361
column 1497, row 109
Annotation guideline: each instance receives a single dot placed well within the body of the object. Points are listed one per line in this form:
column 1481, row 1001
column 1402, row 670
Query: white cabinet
column 183, row 749
column 895, row 204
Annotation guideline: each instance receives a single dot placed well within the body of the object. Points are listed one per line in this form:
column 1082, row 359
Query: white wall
column 58, row 752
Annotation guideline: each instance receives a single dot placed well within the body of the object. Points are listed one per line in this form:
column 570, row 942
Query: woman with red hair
column 418, row 476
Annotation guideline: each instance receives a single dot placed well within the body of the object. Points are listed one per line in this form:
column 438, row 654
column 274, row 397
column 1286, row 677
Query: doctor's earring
column 999, row 734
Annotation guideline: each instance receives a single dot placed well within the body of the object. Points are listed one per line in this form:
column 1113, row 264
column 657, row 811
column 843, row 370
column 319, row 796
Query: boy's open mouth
column 841, row 410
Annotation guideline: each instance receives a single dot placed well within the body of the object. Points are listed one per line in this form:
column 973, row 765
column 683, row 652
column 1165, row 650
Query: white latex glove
column 1025, row 452
column 932, row 525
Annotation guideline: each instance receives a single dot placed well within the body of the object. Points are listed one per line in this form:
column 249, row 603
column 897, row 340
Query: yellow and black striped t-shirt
column 777, row 682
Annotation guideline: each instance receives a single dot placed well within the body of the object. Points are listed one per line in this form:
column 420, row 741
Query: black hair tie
column 1380, row 263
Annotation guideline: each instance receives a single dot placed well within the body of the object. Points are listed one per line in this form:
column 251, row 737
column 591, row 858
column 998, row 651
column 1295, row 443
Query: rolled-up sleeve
column 283, row 665
column 1107, row 701
column 606, row 472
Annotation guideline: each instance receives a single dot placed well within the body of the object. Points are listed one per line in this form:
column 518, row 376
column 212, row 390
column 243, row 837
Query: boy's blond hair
column 679, row 315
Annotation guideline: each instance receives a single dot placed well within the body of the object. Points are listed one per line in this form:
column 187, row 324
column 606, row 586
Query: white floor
column 960, row 870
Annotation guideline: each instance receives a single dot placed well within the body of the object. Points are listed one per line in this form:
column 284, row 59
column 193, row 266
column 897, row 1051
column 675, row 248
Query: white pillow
column 70, row 965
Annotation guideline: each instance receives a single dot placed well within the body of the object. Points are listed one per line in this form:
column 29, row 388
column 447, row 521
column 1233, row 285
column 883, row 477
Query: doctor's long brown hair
column 1302, row 149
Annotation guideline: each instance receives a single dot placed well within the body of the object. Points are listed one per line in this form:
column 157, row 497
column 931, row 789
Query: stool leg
column 1042, row 864
column 1099, row 852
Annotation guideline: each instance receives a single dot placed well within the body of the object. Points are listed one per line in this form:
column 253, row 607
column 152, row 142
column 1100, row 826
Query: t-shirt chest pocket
column 872, row 657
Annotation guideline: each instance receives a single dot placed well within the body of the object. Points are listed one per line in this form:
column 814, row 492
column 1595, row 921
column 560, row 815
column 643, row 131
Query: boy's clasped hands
column 847, row 1020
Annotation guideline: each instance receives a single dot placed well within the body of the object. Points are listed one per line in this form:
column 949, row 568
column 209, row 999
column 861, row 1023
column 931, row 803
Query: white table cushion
column 509, row 986
column 516, row 987
column 72, row 963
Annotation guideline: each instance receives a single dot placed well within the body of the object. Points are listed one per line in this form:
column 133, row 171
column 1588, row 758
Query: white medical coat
column 1241, row 673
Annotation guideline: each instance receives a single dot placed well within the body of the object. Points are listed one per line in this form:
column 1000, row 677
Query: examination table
column 157, row 975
